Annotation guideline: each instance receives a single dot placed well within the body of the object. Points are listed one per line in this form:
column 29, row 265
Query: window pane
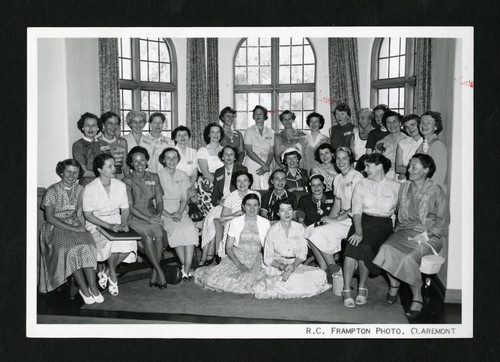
column 126, row 99
column 384, row 48
column 164, row 72
column 265, row 100
column 166, row 101
column 402, row 64
column 265, row 75
column 393, row 98
column 241, row 57
column 296, row 103
column 298, row 121
column 253, row 100
column 252, row 42
column 394, row 48
column 125, row 42
column 284, row 101
column 144, row 100
column 383, row 96
column 241, row 75
column 127, row 69
column 153, row 50
column 144, row 49
column 284, row 41
column 296, row 74
column 394, row 67
column 253, row 75
column 402, row 99
column 144, row 71
column 308, row 55
column 296, row 55
column 284, row 75
column 253, row 56
column 309, row 101
column 265, row 42
column 265, row 56
column 154, row 72
column 309, row 74
column 241, row 102
column 164, row 56
column 403, row 45
column 296, row 41
column 383, row 68
column 284, row 55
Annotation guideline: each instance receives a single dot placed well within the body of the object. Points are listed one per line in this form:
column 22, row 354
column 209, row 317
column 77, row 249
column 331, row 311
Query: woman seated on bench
column 284, row 251
column 243, row 267
column 422, row 222
column 66, row 247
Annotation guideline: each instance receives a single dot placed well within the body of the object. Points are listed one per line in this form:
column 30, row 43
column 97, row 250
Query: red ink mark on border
column 327, row 100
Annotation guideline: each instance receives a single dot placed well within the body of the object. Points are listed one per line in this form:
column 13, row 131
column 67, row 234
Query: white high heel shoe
column 97, row 298
column 87, row 300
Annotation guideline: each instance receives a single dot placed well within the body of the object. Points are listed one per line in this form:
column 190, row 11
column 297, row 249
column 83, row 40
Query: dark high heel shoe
column 217, row 259
column 153, row 284
column 414, row 314
column 162, row 285
column 391, row 299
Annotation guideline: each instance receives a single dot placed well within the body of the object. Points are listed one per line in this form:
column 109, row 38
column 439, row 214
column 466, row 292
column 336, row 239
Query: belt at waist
column 115, row 212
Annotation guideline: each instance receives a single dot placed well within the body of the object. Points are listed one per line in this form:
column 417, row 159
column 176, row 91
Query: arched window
column 277, row 73
column 393, row 73
column 148, row 79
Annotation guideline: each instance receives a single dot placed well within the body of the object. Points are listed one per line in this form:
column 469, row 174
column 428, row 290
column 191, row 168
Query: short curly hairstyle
column 86, row 115
column 206, row 132
column 437, row 119
column 322, row 147
column 136, row 149
column 161, row 159
column 61, row 166
column 382, row 107
column 284, row 113
column 250, row 196
column 315, row 114
column 180, row 129
column 235, row 150
column 237, row 174
column 349, row 153
column 157, row 114
column 342, row 107
column 427, row 162
column 226, row 110
column 379, row 159
column 388, row 114
column 319, row 177
column 264, row 109
column 132, row 114
column 271, row 177
column 108, row 115
column 99, row 162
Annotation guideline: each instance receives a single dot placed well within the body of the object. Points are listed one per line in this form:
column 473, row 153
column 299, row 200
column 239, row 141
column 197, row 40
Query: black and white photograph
column 301, row 182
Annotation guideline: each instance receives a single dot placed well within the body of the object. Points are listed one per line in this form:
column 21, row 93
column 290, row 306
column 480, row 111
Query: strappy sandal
column 415, row 314
column 391, row 299
column 103, row 279
column 185, row 277
column 348, row 301
column 362, row 296
column 113, row 288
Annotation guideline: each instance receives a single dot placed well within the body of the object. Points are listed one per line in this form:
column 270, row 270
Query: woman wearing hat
column 296, row 177
column 422, row 222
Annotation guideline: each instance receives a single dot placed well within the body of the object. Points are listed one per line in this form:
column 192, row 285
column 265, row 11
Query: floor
column 58, row 308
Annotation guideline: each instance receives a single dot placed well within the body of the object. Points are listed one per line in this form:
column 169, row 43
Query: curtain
column 423, row 65
column 196, row 97
column 344, row 74
column 109, row 75
column 213, row 79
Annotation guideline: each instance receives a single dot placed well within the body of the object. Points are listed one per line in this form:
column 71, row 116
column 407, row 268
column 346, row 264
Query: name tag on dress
column 105, row 148
column 347, row 133
column 150, row 183
column 329, row 201
column 220, row 178
column 268, row 138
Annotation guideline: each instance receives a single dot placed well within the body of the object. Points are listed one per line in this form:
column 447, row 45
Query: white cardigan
column 238, row 223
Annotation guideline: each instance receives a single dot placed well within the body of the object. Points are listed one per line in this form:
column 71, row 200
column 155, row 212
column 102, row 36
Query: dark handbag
column 173, row 273
column 194, row 211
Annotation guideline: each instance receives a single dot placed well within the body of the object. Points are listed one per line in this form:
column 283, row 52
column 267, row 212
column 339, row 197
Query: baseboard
column 452, row 296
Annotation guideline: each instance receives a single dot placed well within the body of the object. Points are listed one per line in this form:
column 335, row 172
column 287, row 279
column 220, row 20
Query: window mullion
column 274, row 81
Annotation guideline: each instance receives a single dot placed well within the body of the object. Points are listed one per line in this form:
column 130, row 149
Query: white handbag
column 431, row 264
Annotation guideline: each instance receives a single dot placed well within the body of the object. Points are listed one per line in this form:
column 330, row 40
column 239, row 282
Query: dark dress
column 374, row 136
column 85, row 152
column 269, row 199
column 340, row 136
column 309, row 210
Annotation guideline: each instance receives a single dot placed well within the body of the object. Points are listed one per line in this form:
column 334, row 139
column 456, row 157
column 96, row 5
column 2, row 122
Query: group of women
column 297, row 196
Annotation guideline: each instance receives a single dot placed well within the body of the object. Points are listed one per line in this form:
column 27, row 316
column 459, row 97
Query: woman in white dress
column 325, row 241
column 158, row 141
column 407, row 147
column 365, row 126
column 189, row 159
column 208, row 162
column 105, row 204
column 285, row 249
column 259, row 144
column 325, row 155
column 181, row 232
column 315, row 122
column 137, row 121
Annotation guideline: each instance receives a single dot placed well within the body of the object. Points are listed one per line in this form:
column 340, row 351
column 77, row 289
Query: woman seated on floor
column 421, row 224
column 284, row 251
column 374, row 201
column 325, row 241
column 105, row 204
column 143, row 188
column 181, row 232
column 212, row 231
column 296, row 177
column 277, row 191
column 231, row 207
column 66, row 247
column 243, row 267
